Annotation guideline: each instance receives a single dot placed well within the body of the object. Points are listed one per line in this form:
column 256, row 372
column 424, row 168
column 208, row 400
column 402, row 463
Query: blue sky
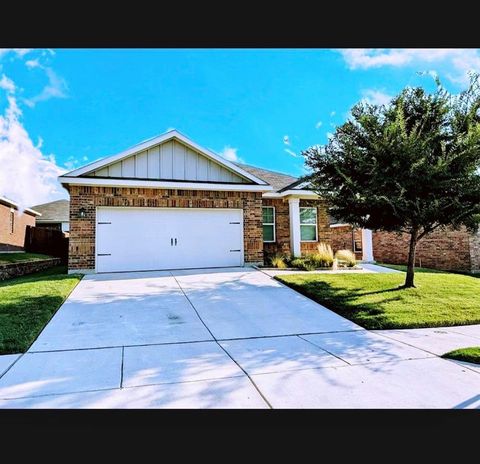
column 72, row 106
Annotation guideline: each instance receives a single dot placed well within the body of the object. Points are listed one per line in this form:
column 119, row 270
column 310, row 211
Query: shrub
column 323, row 257
column 346, row 257
column 305, row 264
column 278, row 261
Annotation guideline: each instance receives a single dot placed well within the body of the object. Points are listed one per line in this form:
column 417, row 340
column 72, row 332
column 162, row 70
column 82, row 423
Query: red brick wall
column 15, row 241
column 448, row 249
column 82, row 231
column 282, row 226
column 342, row 239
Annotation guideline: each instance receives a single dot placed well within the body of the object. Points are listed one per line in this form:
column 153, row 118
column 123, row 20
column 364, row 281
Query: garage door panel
column 135, row 239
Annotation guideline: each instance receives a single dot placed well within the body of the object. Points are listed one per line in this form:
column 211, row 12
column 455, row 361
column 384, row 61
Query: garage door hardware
column 104, row 223
column 236, row 250
column 104, row 254
column 234, row 223
column 172, row 242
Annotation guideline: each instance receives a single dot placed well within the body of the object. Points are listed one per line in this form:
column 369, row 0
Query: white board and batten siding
column 171, row 160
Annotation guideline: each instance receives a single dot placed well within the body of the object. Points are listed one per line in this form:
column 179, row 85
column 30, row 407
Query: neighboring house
column 55, row 215
column 168, row 203
column 13, row 223
column 452, row 250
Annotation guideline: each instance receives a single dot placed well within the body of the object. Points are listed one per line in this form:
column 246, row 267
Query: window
column 308, row 224
column 268, row 220
column 12, row 221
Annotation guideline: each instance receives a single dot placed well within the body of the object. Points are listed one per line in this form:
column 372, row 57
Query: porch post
column 294, row 213
column 367, row 246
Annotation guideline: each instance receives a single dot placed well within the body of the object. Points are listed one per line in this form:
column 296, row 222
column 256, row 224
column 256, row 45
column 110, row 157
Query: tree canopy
column 410, row 166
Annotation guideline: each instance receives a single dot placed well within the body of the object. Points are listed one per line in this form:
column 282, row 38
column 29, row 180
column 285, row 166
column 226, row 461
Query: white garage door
column 142, row 239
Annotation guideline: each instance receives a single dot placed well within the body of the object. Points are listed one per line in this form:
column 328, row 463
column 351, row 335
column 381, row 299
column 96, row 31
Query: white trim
column 303, row 194
column 341, row 225
column 163, row 184
column 306, row 224
column 15, row 205
column 270, row 224
column 294, row 219
column 173, row 134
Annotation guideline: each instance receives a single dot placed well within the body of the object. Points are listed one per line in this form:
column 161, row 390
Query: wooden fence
column 47, row 241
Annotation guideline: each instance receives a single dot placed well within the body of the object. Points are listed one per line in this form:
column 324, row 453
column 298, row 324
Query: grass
column 376, row 301
column 6, row 258
column 471, row 354
column 403, row 268
column 28, row 302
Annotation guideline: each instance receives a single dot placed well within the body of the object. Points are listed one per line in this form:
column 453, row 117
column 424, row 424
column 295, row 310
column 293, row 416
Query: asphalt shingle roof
column 54, row 211
column 276, row 179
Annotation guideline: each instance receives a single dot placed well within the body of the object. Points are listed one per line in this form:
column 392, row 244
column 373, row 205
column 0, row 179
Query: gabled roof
column 277, row 180
column 7, row 202
column 167, row 136
column 55, row 211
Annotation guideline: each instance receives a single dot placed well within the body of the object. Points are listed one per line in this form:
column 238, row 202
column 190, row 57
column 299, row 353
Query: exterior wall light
column 82, row 214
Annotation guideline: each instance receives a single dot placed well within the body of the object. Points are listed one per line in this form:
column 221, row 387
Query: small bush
column 278, row 261
column 306, row 264
column 323, row 257
column 346, row 257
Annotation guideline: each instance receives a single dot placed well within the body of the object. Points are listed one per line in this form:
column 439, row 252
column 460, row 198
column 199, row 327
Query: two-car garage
column 142, row 239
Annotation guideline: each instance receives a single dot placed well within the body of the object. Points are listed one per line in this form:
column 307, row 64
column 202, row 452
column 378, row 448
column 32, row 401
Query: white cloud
column 32, row 64
column 291, row 152
column 333, row 113
column 286, row 140
column 56, row 88
column 230, row 154
column 20, row 52
column 329, row 135
column 460, row 61
column 34, row 174
column 318, row 125
column 7, row 84
column 376, row 97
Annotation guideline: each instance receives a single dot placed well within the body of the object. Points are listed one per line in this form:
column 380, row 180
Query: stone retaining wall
column 10, row 270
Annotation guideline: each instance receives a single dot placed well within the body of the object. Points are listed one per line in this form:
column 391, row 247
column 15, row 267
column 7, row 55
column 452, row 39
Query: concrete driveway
column 227, row 338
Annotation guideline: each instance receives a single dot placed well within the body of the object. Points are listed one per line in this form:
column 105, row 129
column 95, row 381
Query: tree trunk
column 411, row 259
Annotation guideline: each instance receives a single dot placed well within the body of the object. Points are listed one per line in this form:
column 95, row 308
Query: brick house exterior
column 449, row 250
column 346, row 237
column 82, row 230
column 171, row 171
column 13, row 224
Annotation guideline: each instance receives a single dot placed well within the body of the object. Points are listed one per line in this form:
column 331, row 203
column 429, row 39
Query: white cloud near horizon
column 376, row 97
column 7, row 84
column 27, row 176
column 318, row 125
column 460, row 61
column 230, row 154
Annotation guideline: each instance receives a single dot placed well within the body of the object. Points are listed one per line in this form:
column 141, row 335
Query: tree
column 410, row 166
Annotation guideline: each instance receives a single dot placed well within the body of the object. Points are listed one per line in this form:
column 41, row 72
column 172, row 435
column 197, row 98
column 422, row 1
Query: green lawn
column 471, row 355
column 27, row 303
column 375, row 301
column 401, row 267
column 16, row 257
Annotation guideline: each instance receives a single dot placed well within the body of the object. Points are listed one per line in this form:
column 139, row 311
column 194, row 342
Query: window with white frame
column 308, row 224
column 268, row 222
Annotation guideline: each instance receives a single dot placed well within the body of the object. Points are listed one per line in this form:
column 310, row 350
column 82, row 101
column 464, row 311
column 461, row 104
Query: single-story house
column 13, row 224
column 55, row 215
column 450, row 250
column 168, row 203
